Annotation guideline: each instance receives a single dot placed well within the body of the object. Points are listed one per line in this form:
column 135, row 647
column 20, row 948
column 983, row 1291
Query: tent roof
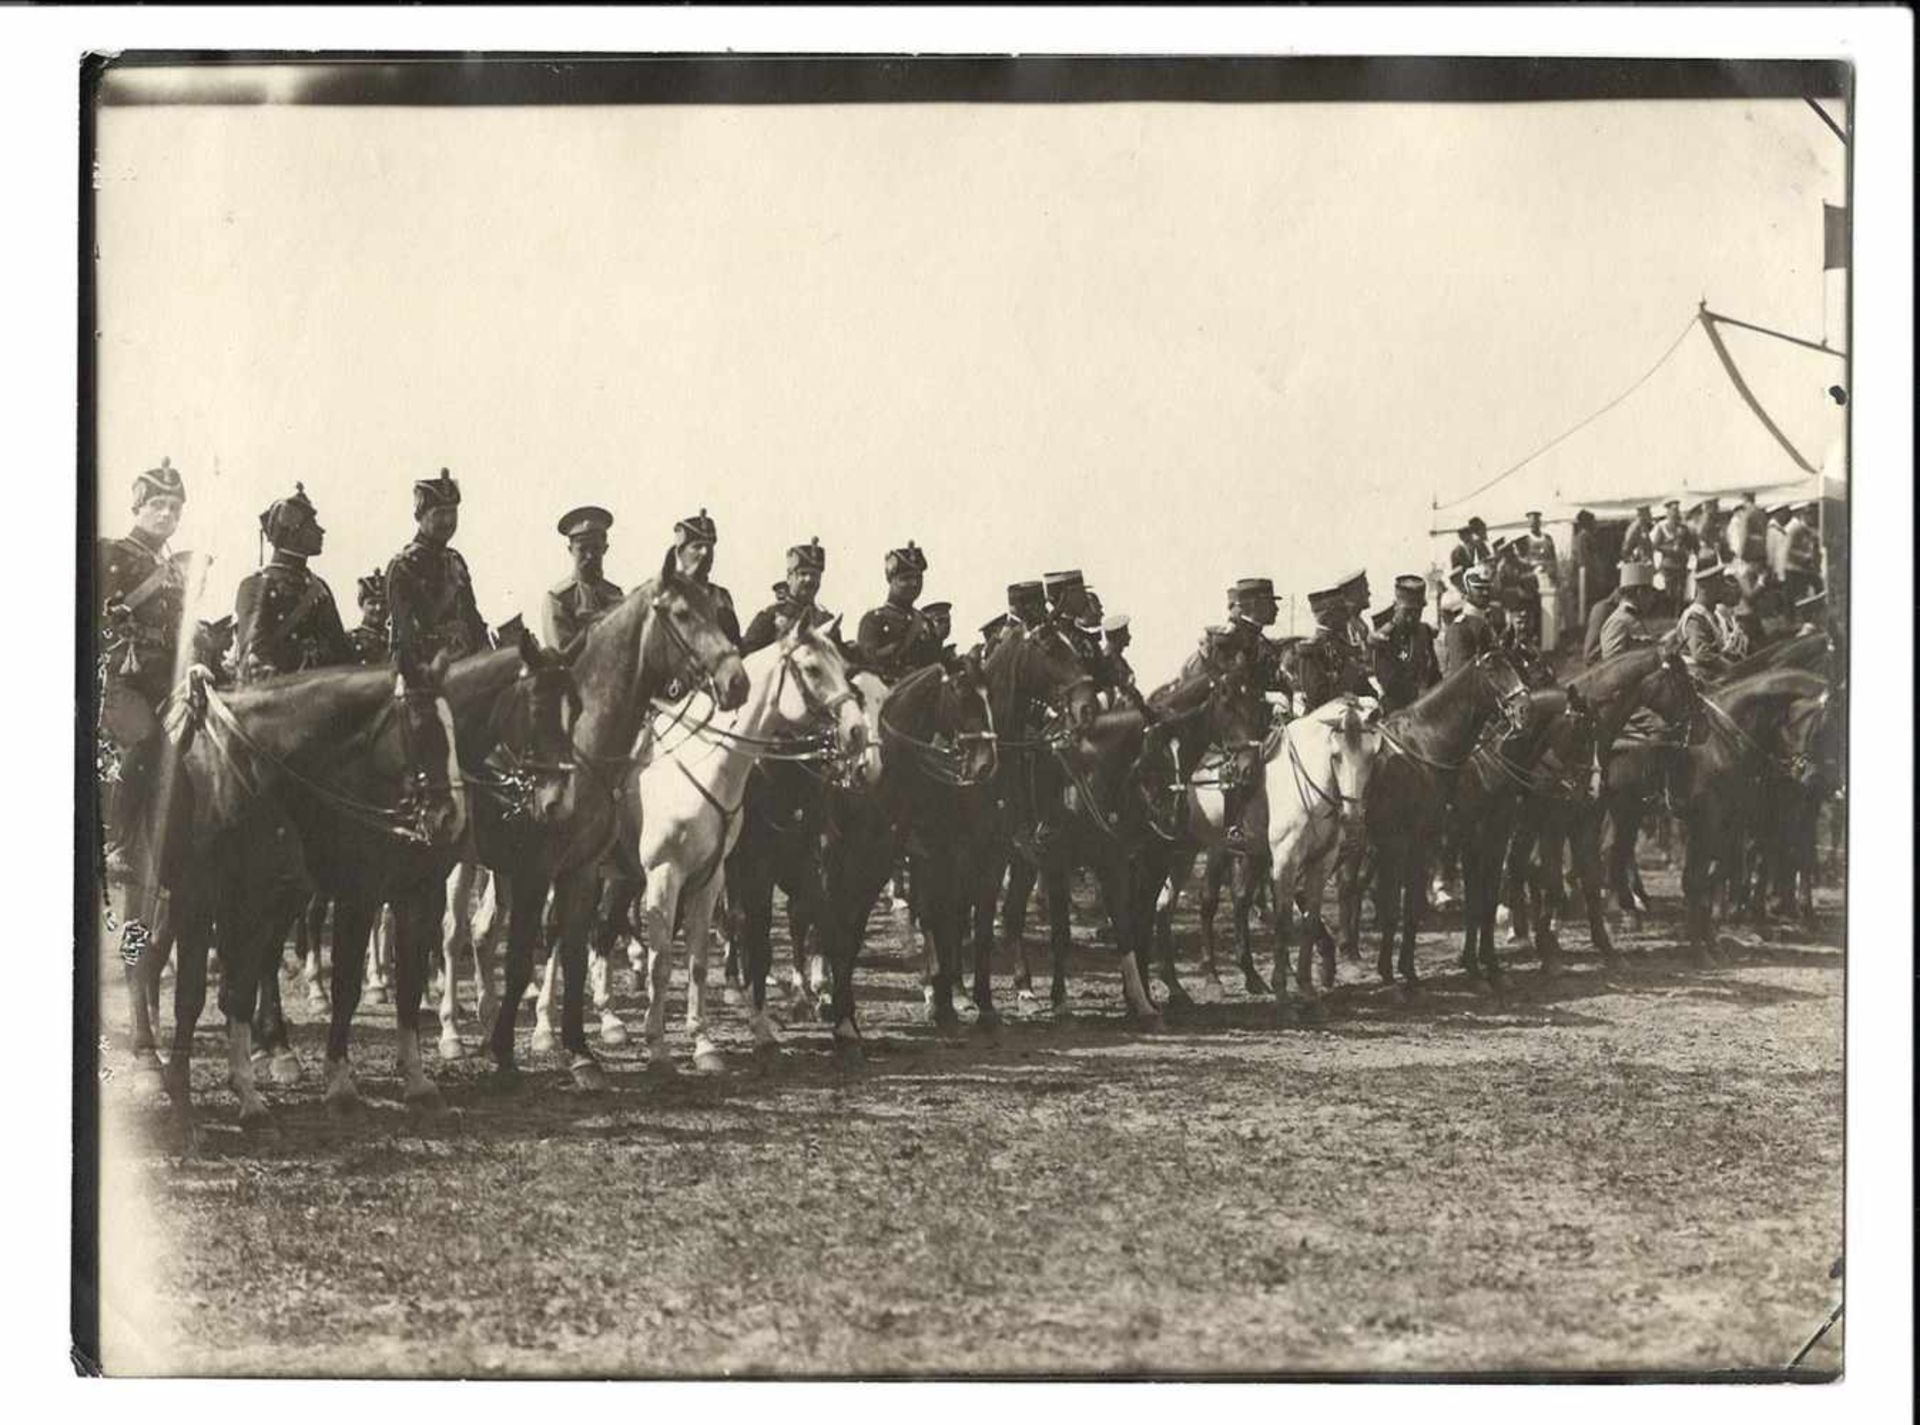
column 1687, row 432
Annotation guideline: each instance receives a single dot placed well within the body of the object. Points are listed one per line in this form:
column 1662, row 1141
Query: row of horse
column 653, row 755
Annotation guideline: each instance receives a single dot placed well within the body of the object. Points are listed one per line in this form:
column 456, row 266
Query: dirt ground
column 1595, row 1172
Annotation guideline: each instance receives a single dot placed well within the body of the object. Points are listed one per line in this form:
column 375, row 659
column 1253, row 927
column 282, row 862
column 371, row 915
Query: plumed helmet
column 163, row 479
column 807, row 556
column 909, row 556
column 441, row 492
column 285, row 517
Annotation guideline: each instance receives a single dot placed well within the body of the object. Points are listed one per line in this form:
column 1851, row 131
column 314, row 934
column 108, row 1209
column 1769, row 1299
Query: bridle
column 1303, row 782
column 510, row 775
column 943, row 763
column 1510, row 706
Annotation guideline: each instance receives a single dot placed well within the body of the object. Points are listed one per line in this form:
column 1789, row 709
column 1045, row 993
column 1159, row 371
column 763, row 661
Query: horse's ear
column 1575, row 703
column 830, row 630
column 531, row 653
column 669, row 571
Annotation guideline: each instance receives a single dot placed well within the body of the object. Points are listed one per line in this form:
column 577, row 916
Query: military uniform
column 785, row 608
column 1328, row 662
column 286, row 621
column 1468, row 636
column 700, row 528
column 1698, row 634
column 1623, row 631
column 141, row 590
column 1596, row 624
column 430, row 604
column 1405, row 661
column 896, row 639
column 369, row 640
column 1673, row 548
column 579, row 601
column 1636, row 545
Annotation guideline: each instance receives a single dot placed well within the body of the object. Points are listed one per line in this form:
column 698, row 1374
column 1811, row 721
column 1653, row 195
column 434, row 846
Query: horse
column 1561, row 821
column 373, row 747
column 681, row 814
column 800, row 811
column 510, row 709
column 1734, row 740
column 1814, row 733
column 1317, row 771
column 1044, row 704
column 663, row 638
column 1549, row 755
column 1428, row 742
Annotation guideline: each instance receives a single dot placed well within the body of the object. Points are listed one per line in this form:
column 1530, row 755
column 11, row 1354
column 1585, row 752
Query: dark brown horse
column 663, row 638
column 1736, row 741
column 353, row 745
column 1427, row 743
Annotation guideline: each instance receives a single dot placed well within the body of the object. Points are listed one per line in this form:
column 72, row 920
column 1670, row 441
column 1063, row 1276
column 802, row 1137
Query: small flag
column 1839, row 237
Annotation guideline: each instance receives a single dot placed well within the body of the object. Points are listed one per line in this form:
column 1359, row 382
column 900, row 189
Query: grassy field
column 1593, row 1172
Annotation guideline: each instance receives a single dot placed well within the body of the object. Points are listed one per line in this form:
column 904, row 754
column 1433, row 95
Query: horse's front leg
column 1388, row 876
column 526, row 894
column 696, row 915
column 1116, row 895
column 1059, row 888
column 573, row 894
column 353, row 919
column 1014, row 899
column 416, row 928
column 273, row 1055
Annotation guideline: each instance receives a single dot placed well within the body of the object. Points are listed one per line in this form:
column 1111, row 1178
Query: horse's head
column 1047, row 674
column 435, row 799
column 552, row 707
column 966, row 719
column 1353, row 746
column 1510, row 697
column 691, row 648
column 1572, row 744
column 815, row 686
column 1237, row 720
column 1670, row 692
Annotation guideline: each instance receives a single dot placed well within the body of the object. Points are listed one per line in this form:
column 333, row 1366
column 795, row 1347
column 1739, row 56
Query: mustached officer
column 694, row 540
column 429, row 591
column 579, row 601
column 795, row 597
column 1026, row 610
column 894, row 637
column 285, row 619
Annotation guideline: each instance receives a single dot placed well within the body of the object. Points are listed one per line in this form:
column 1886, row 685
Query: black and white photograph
column 942, row 717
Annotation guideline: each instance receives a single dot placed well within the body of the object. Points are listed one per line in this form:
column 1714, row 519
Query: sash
column 309, row 599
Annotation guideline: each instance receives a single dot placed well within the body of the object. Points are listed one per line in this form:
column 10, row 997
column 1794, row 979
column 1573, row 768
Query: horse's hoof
column 147, row 1084
column 257, row 1122
column 945, row 1017
column 377, row 995
column 963, row 1003
column 802, row 1011
column 543, row 1040
column 284, row 1069
column 343, row 1101
column 588, row 1076
column 766, row 1053
column 506, row 1079
column 660, row 1064
column 1024, row 1003
column 318, row 1002
column 426, row 1102
column 989, row 1024
column 1257, row 986
column 1152, row 1022
column 731, row 996
column 612, row 1032
column 1178, row 998
column 849, row 1052
column 450, row 1046
column 709, row 1060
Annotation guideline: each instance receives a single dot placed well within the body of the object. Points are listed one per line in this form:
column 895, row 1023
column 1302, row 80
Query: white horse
column 1316, row 783
column 689, row 795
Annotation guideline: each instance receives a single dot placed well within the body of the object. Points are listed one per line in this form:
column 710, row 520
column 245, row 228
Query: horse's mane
column 1631, row 667
column 1768, row 683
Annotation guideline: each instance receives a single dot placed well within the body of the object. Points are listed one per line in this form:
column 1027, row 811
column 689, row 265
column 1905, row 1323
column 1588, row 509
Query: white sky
column 1167, row 344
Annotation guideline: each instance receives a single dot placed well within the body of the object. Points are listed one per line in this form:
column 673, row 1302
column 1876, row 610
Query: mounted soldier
column 1026, row 610
column 285, row 619
column 1328, row 662
column 1405, row 662
column 939, row 615
column 429, row 591
column 794, row 598
column 1625, row 628
column 142, row 590
column 213, row 648
column 894, row 637
column 1598, row 615
column 577, row 603
column 694, row 540
column 1066, row 595
column 1470, row 634
column 1698, row 634
column 370, row 639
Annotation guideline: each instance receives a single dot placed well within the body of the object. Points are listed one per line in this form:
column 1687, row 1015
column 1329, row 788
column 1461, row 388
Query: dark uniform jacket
column 1330, row 665
column 370, row 643
column 724, row 613
column 1405, row 662
column 1672, row 546
column 430, row 604
column 1623, row 632
column 140, row 642
column 285, row 621
column 1464, row 555
column 1636, row 545
column 895, row 641
column 575, row 605
column 766, row 625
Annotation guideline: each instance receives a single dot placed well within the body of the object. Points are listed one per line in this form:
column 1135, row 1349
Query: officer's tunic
column 766, row 625
column 1636, row 545
column 141, row 648
column 1597, row 623
column 1328, row 666
column 575, row 605
column 894, row 641
column 430, row 604
column 370, row 643
column 1624, row 631
column 1698, row 634
column 285, row 621
column 1672, row 545
column 1405, row 663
